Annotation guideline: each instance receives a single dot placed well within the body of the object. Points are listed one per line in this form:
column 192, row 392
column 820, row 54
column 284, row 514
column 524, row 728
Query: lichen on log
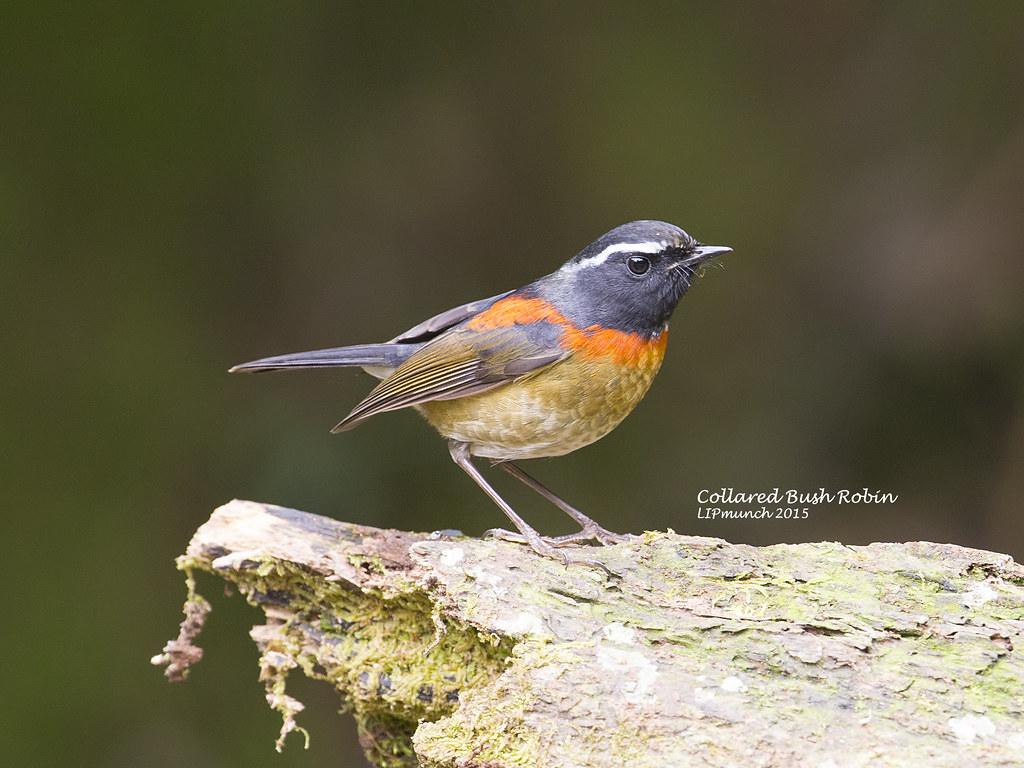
column 679, row 651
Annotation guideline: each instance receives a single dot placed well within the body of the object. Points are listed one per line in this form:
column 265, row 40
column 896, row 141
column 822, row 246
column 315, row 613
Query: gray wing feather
column 431, row 327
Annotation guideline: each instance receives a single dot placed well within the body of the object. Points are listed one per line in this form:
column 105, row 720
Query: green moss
column 997, row 689
column 497, row 733
column 368, row 563
column 394, row 658
column 387, row 740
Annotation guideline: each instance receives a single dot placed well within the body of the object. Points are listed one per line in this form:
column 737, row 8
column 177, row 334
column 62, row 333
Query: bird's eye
column 638, row 265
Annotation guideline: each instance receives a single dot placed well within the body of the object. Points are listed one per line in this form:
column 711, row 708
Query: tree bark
column 677, row 651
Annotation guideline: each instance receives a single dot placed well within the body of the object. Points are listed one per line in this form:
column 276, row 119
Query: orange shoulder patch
column 516, row 310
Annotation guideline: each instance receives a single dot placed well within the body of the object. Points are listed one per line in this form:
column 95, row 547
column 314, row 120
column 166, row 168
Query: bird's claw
column 552, row 546
column 596, row 533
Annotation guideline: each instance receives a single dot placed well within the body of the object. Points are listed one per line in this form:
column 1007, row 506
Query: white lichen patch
column 636, row 673
column 234, row 561
column 484, row 576
column 703, row 695
column 617, row 632
column 733, row 684
column 452, row 557
column 522, row 624
column 970, row 728
column 978, row 595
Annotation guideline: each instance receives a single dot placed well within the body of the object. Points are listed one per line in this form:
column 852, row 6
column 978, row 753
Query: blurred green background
column 185, row 186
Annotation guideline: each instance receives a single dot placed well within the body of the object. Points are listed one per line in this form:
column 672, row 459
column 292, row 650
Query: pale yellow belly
column 565, row 407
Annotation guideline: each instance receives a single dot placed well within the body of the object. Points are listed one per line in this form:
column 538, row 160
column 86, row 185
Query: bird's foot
column 548, row 546
column 587, row 533
column 503, row 535
column 595, row 532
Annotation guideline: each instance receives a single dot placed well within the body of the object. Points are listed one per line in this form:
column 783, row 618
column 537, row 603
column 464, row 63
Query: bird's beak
column 703, row 253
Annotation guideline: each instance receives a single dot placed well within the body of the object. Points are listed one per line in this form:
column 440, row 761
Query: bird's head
column 630, row 278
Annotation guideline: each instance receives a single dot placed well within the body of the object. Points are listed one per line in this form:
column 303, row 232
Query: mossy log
column 681, row 651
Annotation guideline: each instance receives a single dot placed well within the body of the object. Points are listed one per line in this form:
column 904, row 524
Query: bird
column 534, row 372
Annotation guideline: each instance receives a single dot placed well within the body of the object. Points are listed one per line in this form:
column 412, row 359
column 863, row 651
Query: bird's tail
column 379, row 355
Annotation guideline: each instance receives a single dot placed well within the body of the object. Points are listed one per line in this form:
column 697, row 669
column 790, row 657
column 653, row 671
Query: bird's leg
column 546, row 547
column 589, row 530
column 460, row 455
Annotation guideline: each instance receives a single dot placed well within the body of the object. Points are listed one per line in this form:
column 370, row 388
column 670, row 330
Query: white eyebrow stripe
column 600, row 258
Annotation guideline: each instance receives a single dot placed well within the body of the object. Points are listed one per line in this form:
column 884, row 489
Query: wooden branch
column 687, row 652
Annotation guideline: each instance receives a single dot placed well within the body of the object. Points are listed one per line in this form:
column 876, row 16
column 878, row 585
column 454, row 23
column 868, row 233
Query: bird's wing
column 439, row 323
column 461, row 362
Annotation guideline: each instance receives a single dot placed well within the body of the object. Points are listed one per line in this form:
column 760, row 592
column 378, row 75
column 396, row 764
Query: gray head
column 630, row 278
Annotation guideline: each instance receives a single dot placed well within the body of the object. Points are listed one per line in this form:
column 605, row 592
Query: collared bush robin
column 535, row 372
